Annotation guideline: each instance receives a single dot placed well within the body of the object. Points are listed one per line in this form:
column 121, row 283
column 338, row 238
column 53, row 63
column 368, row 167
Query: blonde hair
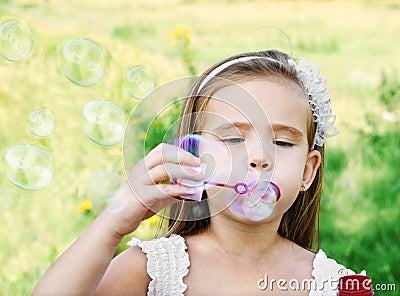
column 300, row 223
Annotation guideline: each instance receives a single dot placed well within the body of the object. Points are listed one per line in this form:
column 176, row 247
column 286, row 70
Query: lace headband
column 314, row 86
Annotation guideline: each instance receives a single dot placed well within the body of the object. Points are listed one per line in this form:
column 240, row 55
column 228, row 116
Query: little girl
column 265, row 119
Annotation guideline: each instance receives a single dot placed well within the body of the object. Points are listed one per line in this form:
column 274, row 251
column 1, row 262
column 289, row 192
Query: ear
column 310, row 170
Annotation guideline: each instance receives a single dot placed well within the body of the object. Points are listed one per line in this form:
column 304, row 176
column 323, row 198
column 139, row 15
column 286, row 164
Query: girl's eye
column 233, row 140
column 283, row 144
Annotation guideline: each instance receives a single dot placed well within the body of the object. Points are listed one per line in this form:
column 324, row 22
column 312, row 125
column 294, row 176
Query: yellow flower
column 181, row 33
column 85, row 206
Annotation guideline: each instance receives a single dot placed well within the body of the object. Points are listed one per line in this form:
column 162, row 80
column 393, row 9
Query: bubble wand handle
column 240, row 188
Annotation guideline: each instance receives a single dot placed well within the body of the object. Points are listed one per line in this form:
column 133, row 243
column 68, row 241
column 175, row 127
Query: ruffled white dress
column 168, row 263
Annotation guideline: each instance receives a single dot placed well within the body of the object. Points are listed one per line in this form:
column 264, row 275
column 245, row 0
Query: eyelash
column 283, row 144
column 241, row 140
column 233, row 140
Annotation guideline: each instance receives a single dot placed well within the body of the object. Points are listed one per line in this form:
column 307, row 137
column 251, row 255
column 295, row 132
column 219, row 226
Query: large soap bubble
column 29, row 167
column 42, row 122
column 139, row 82
column 228, row 181
column 104, row 122
column 83, row 62
column 15, row 41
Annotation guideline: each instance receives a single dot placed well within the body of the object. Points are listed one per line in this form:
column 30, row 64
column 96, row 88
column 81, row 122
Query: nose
column 261, row 158
column 258, row 164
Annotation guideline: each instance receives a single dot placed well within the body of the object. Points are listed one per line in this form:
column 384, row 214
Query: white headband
column 314, row 86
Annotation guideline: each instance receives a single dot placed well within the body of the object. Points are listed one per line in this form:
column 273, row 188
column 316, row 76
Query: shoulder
column 126, row 275
column 326, row 273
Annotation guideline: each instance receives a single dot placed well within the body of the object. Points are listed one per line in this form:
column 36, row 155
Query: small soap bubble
column 29, row 167
column 15, row 41
column 103, row 185
column 42, row 122
column 197, row 211
column 139, row 82
column 83, row 62
column 104, row 122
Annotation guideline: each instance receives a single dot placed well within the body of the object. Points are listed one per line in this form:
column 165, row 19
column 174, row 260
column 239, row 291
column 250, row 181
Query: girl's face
column 257, row 130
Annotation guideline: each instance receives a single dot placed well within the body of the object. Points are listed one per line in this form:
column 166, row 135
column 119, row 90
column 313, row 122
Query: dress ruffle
column 167, row 264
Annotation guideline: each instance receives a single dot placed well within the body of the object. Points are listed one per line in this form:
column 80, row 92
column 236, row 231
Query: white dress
column 168, row 263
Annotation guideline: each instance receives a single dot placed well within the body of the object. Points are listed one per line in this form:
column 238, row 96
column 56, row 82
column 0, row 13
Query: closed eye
column 233, row 140
column 283, row 144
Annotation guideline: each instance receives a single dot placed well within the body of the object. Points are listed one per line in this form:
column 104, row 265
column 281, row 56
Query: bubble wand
column 267, row 191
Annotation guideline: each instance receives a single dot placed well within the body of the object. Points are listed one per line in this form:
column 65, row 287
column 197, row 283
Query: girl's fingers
column 171, row 171
column 167, row 192
column 173, row 192
column 169, row 153
column 162, row 195
column 163, row 163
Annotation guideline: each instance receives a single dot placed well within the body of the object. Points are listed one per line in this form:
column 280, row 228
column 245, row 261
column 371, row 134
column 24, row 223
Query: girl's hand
column 143, row 195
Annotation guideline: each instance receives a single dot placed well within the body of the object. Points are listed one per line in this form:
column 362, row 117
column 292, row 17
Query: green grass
column 354, row 42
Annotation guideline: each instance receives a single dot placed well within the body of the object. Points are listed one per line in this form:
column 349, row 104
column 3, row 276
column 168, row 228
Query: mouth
column 256, row 200
column 263, row 192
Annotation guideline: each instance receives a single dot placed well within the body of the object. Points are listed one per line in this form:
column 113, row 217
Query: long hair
column 300, row 223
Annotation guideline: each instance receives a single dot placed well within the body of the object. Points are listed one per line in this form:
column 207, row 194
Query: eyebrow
column 277, row 127
column 245, row 126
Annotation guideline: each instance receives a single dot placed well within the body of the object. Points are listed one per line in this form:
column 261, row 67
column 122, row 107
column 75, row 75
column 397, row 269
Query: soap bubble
column 225, row 161
column 41, row 122
column 83, row 62
column 198, row 211
column 29, row 167
column 16, row 41
column 104, row 122
column 258, row 202
column 139, row 82
column 103, row 185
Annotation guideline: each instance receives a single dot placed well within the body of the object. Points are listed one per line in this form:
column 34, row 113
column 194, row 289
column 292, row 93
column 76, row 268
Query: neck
column 246, row 240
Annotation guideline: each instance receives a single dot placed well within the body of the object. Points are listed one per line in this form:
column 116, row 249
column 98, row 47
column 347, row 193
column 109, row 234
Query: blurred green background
column 356, row 43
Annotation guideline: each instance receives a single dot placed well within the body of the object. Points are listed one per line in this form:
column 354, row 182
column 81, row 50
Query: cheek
column 289, row 185
column 288, row 175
